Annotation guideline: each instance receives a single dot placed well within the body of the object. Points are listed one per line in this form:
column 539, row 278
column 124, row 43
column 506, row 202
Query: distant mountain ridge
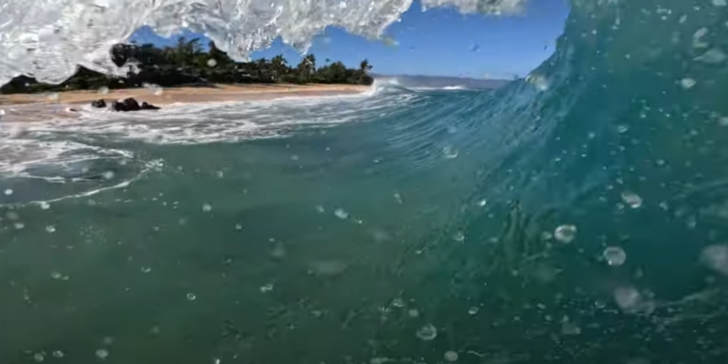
column 420, row 81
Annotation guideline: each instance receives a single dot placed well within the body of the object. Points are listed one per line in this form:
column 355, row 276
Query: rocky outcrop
column 146, row 106
column 98, row 103
column 128, row 104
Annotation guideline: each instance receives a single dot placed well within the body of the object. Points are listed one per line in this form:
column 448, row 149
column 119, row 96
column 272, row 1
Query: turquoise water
column 577, row 216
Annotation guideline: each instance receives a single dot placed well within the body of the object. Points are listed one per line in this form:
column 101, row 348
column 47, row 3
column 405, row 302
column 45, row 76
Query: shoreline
column 187, row 94
column 41, row 107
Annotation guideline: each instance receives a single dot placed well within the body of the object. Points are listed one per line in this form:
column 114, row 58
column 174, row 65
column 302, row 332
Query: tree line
column 187, row 63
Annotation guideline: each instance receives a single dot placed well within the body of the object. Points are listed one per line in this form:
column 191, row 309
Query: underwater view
column 576, row 215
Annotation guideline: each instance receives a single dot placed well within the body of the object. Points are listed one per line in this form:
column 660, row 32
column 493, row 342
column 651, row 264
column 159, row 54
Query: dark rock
column 118, row 106
column 131, row 105
column 146, row 106
column 98, row 103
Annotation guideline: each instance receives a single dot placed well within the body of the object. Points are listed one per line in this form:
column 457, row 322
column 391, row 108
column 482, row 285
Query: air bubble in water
column 621, row 129
column 266, row 288
column 155, row 89
column 58, row 354
column 570, row 328
column 719, row 3
column 712, row 56
column 39, row 357
column 632, row 199
column 108, row 175
column 103, row 90
column 341, row 214
column 473, row 310
column 565, row 233
column 614, row 255
column 50, row 228
column 19, row 225
column 56, row 275
column 427, row 332
column 191, row 296
column 45, row 205
column 716, row 258
column 102, row 354
column 687, row 83
column 206, row 207
column 8, row 192
column 211, row 62
column 450, row 152
column 146, row 269
column 451, row 356
column 459, row 237
column 413, row 313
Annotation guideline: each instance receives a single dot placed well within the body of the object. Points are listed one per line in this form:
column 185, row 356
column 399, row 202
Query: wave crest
column 47, row 39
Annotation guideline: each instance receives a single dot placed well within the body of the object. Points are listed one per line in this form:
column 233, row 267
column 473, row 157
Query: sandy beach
column 39, row 107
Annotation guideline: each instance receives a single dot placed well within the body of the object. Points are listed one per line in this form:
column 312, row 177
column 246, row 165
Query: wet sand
column 41, row 107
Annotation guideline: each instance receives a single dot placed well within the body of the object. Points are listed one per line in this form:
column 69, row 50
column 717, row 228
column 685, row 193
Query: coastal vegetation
column 187, row 63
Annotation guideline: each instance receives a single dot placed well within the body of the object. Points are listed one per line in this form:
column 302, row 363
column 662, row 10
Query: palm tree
column 364, row 66
column 278, row 66
column 311, row 61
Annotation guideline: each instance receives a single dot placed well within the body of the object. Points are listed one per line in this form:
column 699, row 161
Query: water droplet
column 102, row 354
column 565, row 233
column 716, row 258
column 614, row 255
column 570, row 328
column 50, row 228
column 341, row 214
column 451, row 356
column 450, row 152
column 427, row 332
column 473, row 310
column 103, row 90
column 211, row 62
column 687, row 83
column 191, row 296
column 398, row 302
column 632, row 199
column 45, row 205
column 482, row 202
column 146, row 269
column 712, row 56
column 8, row 192
column 206, row 207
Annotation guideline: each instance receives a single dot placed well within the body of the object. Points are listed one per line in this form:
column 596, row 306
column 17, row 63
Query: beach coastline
column 41, row 107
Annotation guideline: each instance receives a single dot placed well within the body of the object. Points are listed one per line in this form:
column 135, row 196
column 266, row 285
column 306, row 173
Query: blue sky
column 437, row 42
